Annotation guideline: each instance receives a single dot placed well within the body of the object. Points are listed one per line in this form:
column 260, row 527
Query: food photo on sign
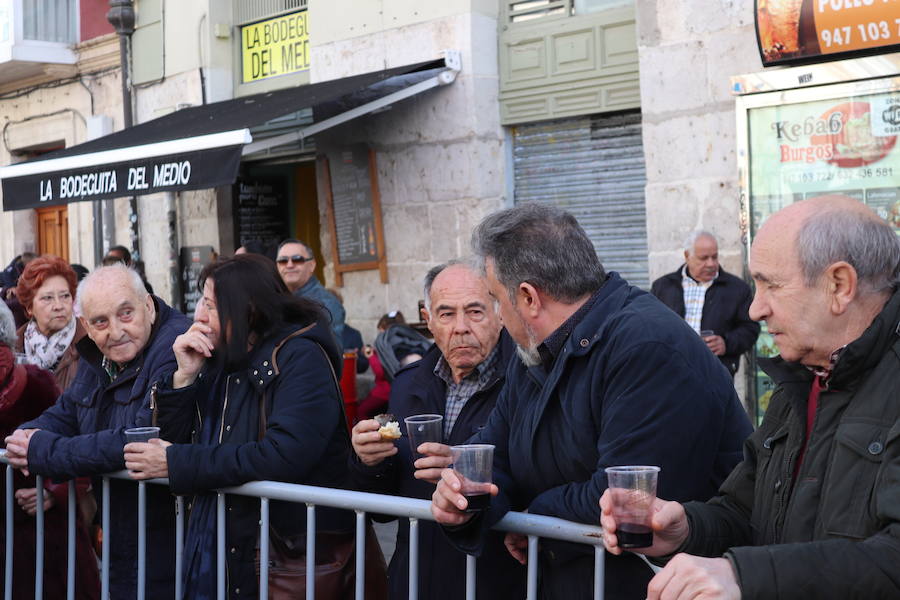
column 800, row 30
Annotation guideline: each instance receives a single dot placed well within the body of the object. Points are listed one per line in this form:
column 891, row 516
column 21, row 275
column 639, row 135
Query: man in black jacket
column 714, row 303
column 608, row 377
column 813, row 511
column 459, row 378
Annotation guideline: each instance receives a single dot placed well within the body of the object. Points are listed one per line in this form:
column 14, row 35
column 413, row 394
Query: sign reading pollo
column 798, row 30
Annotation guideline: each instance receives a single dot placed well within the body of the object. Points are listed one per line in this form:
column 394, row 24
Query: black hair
column 253, row 304
column 296, row 241
column 126, row 253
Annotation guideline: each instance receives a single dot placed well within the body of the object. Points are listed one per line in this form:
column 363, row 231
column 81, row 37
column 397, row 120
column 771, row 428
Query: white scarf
column 43, row 351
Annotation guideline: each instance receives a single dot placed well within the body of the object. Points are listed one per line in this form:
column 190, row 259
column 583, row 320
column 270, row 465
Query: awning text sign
column 791, row 30
column 275, row 47
column 175, row 172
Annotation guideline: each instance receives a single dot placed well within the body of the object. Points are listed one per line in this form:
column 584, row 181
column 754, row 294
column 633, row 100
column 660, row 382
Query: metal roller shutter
column 592, row 167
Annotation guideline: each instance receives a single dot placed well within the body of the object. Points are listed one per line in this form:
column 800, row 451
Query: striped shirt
column 459, row 393
column 694, row 297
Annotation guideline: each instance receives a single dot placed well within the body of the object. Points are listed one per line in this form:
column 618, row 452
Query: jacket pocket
column 770, row 483
column 848, row 505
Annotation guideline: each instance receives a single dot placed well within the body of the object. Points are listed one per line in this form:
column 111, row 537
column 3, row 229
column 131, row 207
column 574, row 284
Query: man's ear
column 152, row 308
column 530, row 299
column 426, row 316
column 842, row 286
column 686, row 256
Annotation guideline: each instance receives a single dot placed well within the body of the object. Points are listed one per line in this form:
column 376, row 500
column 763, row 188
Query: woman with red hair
column 46, row 289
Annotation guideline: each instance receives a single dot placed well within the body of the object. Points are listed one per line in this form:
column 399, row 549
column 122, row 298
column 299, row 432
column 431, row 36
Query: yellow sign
column 275, row 47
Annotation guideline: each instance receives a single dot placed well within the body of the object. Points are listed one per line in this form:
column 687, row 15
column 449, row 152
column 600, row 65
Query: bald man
column 127, row 349
column 813, row 511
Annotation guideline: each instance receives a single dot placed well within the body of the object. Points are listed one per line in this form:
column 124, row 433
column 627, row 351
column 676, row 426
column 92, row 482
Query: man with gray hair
column 714, row 303
column 609, row 376
column 128, row 346
column 813, row 511
column 459, row 379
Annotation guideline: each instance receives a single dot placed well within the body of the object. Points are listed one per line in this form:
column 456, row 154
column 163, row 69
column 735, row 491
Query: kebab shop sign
column 124, row 180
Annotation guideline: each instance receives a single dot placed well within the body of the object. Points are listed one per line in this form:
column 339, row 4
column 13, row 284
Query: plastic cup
column 705, row 333
column 633, row 490
column 141, row 434
column 473, row 464
column 423, row 428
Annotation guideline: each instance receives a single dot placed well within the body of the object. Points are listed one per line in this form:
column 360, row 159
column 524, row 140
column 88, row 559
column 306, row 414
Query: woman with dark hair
column 46, row 289
column 253, row 397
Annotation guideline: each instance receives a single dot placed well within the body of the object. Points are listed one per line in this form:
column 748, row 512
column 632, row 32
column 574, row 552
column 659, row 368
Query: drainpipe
column 121, row 16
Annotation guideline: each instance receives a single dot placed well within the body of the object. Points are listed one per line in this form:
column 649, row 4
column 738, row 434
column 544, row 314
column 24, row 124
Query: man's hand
column 147, row 460
column 191, row 350
column 27, row 500
column 448, row 505
column 437, row 458
column 17, row 448
column 669, row 523
column 517, row 545
column 689, row 577
column 716, row 344
column 368, row 445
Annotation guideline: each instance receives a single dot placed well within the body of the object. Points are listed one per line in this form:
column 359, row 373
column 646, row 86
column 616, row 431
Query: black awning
column 193, row 148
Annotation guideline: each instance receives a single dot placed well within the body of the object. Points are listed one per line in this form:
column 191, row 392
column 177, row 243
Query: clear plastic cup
column 423, row 428
column 633, row 490
column 473, row 464
column 705, row 333
column 141, row 434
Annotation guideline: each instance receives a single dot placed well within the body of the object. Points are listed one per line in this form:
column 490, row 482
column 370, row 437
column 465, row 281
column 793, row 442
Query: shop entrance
column 278, row 201
column 53, row 231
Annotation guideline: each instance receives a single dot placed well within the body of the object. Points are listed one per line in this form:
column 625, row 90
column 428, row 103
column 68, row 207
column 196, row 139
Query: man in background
column 714, row 303
column 297, row 266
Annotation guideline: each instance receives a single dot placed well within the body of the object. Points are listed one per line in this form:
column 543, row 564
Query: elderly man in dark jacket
column 710, row 300
column 609, row 376
column 813, row 511
column 459, row 378
column 128, row 345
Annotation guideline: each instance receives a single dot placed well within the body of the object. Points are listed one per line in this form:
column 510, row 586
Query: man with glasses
column 296, row 265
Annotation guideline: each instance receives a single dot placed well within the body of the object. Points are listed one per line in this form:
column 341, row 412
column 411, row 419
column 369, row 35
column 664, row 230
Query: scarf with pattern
column 43, row 351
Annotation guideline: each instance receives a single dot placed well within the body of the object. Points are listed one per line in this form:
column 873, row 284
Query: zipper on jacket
column 224, row 409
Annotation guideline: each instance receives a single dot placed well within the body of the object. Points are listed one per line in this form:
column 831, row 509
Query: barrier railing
column 534, row 527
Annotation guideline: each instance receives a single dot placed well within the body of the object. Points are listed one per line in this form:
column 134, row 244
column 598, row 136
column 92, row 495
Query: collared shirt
column 550, row 348
column 113, row 369
column 694, row 297
column 825, row 374
column 459, row 393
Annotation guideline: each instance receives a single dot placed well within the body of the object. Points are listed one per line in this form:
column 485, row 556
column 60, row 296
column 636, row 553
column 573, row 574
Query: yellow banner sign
column 275, row 47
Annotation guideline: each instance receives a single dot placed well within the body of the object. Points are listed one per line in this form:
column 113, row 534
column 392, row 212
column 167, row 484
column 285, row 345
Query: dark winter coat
column 303, row 443
column 632, row 385
column 442, row 568
column 24, row 395
column 725, row 311
column 83, row 434
column 833, row 532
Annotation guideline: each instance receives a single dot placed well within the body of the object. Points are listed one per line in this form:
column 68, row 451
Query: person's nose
column 200, row 314
column 759, row 308
column 461, row 324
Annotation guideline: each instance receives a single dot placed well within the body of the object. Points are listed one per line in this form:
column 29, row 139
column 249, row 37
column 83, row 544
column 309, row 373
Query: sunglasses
column 283, row 260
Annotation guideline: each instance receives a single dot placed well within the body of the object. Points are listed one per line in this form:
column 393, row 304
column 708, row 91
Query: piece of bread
column 390, row 427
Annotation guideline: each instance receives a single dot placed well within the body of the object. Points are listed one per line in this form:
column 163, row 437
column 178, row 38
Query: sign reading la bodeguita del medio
column 173, row 173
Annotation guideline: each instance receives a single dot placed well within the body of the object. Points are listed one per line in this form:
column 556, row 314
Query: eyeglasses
column 283, row 260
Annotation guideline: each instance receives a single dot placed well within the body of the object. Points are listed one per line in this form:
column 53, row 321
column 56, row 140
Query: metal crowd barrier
column 533, row 526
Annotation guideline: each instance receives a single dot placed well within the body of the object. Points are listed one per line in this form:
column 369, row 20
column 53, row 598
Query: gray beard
column 530, row 357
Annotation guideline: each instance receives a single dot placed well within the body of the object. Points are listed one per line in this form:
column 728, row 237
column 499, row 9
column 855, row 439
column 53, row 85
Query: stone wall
column 440, row 156
column 688, row 50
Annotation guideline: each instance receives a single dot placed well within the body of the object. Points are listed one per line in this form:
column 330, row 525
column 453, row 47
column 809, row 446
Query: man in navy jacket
column 609, row 376
column 709, row 299
column 458, row 378
column 128, row 346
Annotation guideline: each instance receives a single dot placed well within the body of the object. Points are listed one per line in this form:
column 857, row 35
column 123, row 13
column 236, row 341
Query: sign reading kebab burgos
column 792, row 30
column 275, row 47
column 847, row 146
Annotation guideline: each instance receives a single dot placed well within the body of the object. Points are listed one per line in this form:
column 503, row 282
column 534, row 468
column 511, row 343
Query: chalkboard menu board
column 261, row 211
column 354, row 211
column 193, row 259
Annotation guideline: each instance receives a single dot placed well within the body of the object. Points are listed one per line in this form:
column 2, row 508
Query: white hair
column 691, row 240
column 7, row 326
column 468, row 263
column 102, row 274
